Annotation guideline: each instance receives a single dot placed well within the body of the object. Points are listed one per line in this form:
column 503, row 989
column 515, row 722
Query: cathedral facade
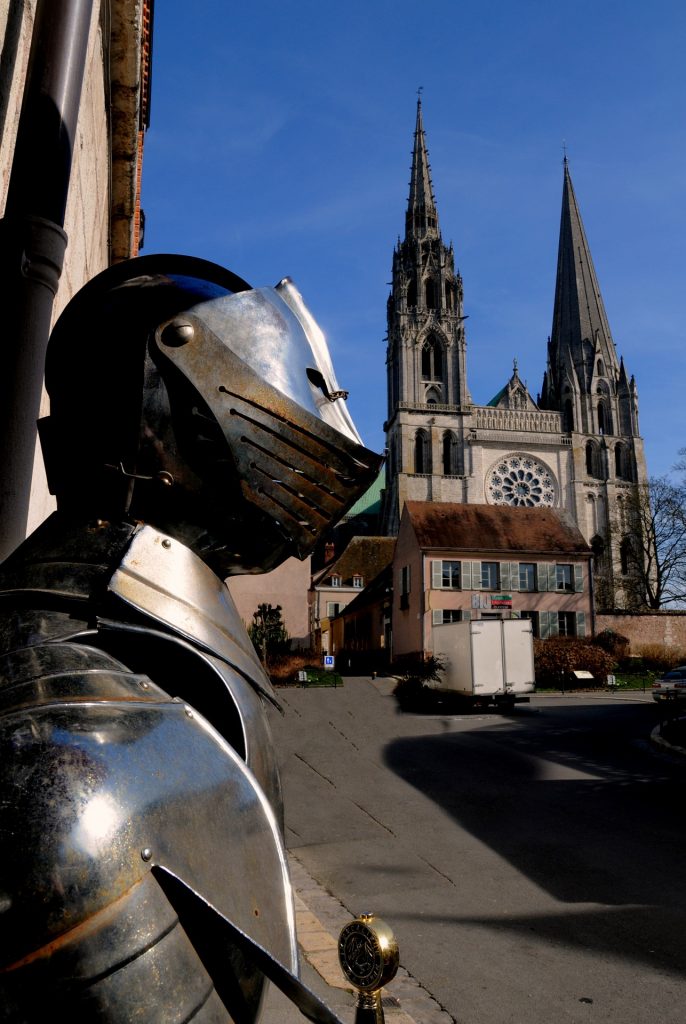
column 575, row 448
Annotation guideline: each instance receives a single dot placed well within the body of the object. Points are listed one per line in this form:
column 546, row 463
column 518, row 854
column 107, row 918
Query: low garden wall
column 667, row 628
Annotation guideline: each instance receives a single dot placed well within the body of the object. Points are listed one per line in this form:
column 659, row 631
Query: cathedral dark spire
column 421, row 220
column 580, row 324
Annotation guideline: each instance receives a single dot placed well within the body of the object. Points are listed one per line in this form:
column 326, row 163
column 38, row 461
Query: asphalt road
column 531, row 865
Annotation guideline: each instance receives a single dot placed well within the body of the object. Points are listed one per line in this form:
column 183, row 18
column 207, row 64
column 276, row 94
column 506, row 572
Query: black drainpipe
column 33, row 241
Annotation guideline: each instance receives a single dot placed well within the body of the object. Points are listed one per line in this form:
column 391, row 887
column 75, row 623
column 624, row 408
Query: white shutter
column 542, row 574
column 476, row 575
column 514, row 575
column 552, row 577
column 544, row 624
column 437, row 574
column 581, row 623
column 579, row 578
column 437, row 617
column 466, row 615
column 466, row 575
column 505, row 576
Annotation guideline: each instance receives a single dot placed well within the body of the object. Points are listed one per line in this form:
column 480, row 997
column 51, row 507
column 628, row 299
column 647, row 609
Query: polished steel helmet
column 182, row 397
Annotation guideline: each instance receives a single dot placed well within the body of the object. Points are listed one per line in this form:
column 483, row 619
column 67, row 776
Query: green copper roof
column 370, row 502
column 496, row 398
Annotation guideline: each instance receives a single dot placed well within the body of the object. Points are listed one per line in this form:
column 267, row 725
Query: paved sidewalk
column 319, row 919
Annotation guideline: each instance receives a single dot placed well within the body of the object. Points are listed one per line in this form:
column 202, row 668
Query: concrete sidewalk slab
column 319, row 919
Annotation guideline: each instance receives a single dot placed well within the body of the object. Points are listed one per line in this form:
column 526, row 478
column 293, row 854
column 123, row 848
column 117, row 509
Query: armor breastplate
column 105, row 771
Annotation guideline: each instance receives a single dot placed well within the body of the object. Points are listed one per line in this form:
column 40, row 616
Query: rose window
column 519, row 480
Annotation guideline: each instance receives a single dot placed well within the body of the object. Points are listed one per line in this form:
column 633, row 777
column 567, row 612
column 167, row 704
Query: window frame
column 533, row 575
column 487, row 569
column 438, row 576
column 564, row 585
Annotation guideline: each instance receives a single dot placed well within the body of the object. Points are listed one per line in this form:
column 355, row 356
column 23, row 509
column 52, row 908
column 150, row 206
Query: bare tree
column 653, row 546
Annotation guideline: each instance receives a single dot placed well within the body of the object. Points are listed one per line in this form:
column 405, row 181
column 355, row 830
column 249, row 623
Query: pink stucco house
column 456, row 561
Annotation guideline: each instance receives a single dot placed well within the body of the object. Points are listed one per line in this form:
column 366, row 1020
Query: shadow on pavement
column 584, row 810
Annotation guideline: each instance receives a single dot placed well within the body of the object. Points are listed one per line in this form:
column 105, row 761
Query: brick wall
column 640, row 628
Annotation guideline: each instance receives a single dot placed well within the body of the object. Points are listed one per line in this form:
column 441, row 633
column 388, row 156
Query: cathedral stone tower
column 577, row 448
column 427, row 379
column 598, row 402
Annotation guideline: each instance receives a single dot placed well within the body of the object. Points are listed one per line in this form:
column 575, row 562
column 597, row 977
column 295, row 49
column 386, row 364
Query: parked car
column 671, row 686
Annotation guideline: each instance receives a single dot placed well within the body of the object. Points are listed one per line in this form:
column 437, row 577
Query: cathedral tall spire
column 421, row 220
column 579, row 318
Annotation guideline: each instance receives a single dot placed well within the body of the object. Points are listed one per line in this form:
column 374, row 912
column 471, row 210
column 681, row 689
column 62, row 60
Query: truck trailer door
column 487, row 657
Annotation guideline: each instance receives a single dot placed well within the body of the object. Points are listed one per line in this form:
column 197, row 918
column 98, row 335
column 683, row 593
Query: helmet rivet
column 146, row 853
column 165, row 478
column 166, row 543
column 177, row 333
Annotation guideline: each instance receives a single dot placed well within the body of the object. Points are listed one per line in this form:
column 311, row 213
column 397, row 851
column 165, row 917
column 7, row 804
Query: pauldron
column 140, row 803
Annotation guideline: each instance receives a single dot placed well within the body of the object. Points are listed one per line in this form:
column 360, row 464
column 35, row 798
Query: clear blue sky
column 280, row 144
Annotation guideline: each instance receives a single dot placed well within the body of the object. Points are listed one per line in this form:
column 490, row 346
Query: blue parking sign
column 328, row 661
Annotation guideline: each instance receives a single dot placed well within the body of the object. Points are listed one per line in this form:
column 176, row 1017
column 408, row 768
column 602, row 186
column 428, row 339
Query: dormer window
column 335, row 580
column 358, row 582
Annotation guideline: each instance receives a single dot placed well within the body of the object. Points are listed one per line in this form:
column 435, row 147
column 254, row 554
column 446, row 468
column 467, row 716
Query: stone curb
column 319, row 917
column 660, row 741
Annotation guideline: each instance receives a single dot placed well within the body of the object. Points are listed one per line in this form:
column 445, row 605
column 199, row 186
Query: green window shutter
column 436, row 574
column 581, row 623
column 552, row 577
column 514, row 575
column 476, row 575
column 554, row 627
column 437, row 617
column 466, row 615
column 542, row 574
column 505, row 576
column 466, row 575
column 579, row 579
column 544, row 624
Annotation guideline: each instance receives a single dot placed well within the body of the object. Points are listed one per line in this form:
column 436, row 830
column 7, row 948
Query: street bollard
column 368, row 955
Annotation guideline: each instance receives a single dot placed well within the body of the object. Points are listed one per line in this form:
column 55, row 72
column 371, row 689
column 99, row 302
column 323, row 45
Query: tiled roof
column 494, row 528
column 375, row 592
column 364, row 556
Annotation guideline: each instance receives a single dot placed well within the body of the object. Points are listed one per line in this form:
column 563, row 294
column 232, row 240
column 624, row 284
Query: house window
column 405, row 587
column 333, row 608
column 564, row 577
column 358, row 582
column 566, row 623
column 527, row 576
column 445, row 575
column 490, row 576
column 335, row 581
column 442, row 616
column 533, row 619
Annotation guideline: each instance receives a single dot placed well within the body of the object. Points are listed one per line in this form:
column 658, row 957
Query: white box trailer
column 488, row 661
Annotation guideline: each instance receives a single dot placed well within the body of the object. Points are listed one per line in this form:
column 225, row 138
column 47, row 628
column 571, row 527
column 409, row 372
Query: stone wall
column 641, row 628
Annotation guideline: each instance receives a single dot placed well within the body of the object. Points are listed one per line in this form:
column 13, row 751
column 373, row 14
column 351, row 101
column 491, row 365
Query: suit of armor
column 142, row 869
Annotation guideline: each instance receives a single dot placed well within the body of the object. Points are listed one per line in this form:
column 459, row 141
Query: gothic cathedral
column 576, row 448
